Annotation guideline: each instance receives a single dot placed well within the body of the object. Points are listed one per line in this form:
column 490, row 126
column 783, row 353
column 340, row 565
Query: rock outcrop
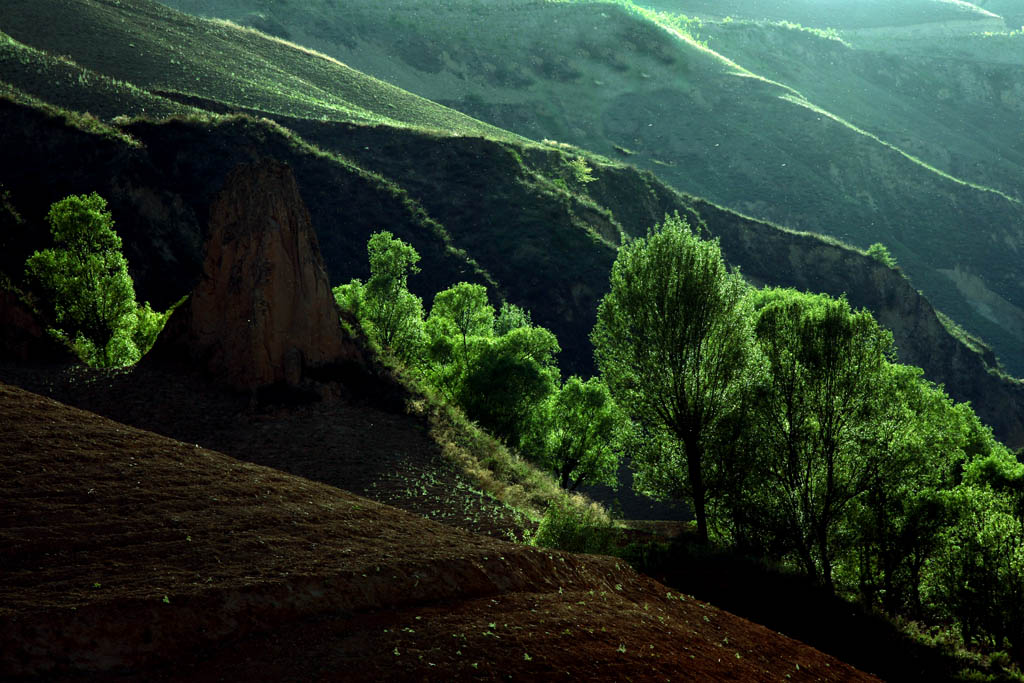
column 263, row 312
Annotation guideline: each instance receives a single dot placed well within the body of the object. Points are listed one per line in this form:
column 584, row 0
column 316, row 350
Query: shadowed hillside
column 260, row 575
column 498, row 212
column 804, row 152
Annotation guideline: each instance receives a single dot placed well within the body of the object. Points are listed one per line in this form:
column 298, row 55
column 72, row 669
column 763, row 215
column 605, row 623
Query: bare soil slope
column 149, row 558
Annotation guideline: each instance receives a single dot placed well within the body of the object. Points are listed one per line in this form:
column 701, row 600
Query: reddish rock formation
column 263, row 312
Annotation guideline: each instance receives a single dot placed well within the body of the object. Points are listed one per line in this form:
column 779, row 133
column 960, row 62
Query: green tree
column 391, row 315
column 825, row 367
column 574, row 434
column 511, row 317
column 84, row 284
column 497, row 379
column 977, row 576
column 881, row 253
column 507, row 378
column 461, row 321
column 672, row 341
column 466, row 308
column 913, row 451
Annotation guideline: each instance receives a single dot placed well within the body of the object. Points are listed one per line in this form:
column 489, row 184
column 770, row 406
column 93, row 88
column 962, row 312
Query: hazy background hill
column 844, row 133
column 840, row 14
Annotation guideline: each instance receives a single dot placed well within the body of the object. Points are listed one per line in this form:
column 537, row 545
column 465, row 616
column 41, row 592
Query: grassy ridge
column 954, row 126
column 169, row 51
column 41, row 74
column 841, row 14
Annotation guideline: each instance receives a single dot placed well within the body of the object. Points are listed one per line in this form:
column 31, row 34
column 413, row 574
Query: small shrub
column 576, row 529
column 880, row 253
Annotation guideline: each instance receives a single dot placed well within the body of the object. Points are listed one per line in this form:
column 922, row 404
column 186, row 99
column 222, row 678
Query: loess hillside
column 875, row 135
column 496, row 210
column 130, row 552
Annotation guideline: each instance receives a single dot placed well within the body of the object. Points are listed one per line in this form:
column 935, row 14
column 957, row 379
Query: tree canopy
column 672, row 342
column 85, row 287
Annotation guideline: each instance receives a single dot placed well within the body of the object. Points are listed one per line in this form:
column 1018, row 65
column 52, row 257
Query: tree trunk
column 694, row 465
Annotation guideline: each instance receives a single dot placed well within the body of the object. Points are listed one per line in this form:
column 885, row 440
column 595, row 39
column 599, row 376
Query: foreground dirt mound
column 147, row 558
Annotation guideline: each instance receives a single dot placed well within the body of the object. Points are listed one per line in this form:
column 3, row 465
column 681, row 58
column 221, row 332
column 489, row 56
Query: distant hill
column 839, row 14
column 793, row 126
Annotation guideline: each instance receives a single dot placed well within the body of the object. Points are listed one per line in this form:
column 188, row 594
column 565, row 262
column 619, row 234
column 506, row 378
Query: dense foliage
column 83, row 285
column 783, row 420
column 499, row 368
column 671, row 341
column 779, row 416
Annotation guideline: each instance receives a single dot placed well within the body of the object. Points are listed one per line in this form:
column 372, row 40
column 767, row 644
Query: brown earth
column 263, row 311
column 149, row 558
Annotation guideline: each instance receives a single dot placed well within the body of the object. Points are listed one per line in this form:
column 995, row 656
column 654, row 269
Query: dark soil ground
column 348, row 443
column 144, row 557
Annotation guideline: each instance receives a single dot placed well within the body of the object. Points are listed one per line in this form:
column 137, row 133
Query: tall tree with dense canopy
column 913, row 450
column 390, row 313
column 672, row 341
column 821, row 394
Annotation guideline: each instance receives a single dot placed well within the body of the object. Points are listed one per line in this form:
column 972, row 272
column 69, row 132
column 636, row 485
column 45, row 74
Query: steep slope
column 710, row 125
column 134, row 555
column 512, row 216
column 951, row 109
column 172, row 52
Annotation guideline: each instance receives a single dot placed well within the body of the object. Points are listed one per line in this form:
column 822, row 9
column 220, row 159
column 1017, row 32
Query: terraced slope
column 719, row 126
column 131, row 554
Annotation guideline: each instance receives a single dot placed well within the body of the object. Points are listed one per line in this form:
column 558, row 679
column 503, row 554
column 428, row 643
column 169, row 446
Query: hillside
column 475, row 208
column 809, row 149
column 133, row 556
column 256, row 574
column 840, row 14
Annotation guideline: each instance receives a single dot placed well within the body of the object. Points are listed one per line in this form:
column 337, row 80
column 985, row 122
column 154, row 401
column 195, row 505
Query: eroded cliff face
column 263, row 312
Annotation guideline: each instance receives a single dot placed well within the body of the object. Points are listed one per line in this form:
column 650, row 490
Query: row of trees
column 497, row 365
column 780, row 417
column 783, row 420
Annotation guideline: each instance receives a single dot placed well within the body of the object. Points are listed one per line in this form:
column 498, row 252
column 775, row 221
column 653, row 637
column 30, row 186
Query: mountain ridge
column 511, row 186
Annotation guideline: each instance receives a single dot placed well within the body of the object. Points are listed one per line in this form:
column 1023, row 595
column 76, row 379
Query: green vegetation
column 881, row 253
column 783, row 419
column 867, row 144
column 781, row 413
column 574, row 434
column 84, row 286
column 390, row 313
column 499, row 369
column 578, row 530
column 187, row 58
column 834, row 13
column 671, row 341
